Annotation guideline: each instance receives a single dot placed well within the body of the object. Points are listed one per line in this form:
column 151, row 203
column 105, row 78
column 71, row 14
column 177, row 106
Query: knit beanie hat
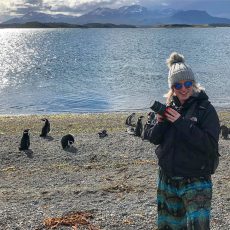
column 178, row 70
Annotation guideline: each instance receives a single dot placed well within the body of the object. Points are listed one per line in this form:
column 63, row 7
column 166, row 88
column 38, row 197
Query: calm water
column 104, row 70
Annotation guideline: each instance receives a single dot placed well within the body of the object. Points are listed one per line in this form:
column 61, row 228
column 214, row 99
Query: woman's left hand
column 172, row 115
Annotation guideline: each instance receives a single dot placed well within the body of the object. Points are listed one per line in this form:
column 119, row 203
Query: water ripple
column 100, row 70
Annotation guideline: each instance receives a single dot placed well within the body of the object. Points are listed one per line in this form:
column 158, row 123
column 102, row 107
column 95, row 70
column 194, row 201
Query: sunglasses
column 187, row 84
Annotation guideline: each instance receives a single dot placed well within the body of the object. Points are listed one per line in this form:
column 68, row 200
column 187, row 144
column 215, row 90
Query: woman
column 187, row 138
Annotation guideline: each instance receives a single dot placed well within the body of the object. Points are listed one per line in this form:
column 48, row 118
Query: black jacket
column 185, row 146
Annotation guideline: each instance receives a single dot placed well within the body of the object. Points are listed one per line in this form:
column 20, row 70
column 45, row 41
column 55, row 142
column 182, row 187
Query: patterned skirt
column 184, row 203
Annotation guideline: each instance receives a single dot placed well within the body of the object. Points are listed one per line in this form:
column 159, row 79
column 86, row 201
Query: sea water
column 45, row 71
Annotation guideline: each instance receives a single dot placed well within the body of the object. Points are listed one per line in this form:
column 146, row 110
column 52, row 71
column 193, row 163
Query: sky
column 16, row 8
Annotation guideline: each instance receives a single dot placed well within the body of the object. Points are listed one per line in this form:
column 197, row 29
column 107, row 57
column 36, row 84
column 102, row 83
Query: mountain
column 132, row 15
column 129, row 15
column 42, row 18
column 195, row 17
column 123, row 15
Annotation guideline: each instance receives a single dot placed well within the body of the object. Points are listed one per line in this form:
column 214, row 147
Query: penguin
column 45, row 128
column 151, row 117
column 224, row 131
column 25, row 140
column 67, row 141
column 103, row 133
column 129, row 120
column 130, row 130
column 150, row 120
column 139, row 127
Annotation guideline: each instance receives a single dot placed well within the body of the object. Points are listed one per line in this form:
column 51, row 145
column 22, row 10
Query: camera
column 162, row 109
column 159, row 108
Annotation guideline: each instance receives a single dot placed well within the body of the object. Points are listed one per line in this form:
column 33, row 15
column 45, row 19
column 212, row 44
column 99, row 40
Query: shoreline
column 92, row 25
column 218, row 109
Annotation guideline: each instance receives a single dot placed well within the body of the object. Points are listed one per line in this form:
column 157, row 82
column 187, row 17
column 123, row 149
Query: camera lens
column 158, row 107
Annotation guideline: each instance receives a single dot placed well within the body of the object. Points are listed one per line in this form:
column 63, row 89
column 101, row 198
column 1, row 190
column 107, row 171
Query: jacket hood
column 197, row 96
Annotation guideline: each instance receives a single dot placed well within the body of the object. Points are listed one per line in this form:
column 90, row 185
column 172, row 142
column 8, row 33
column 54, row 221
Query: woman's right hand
column 160, row 118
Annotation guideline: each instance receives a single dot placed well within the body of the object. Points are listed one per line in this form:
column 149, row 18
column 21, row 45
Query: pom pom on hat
column 178, row 70
column 175, row 58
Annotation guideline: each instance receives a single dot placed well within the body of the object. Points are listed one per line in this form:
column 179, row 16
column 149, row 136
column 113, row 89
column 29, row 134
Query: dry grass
column 224, row 117
column 77, row 123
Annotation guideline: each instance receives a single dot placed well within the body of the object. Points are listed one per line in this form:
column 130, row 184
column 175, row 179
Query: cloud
column 77, row 7
column 164, row 4
column 63, row 6
column 84, row 6
column 20, row 7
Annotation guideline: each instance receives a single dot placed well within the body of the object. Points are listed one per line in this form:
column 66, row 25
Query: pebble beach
column 112, row 178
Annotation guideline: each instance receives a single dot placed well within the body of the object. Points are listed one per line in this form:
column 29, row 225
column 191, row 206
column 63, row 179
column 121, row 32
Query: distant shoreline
column 219, row 110
column 106, row 25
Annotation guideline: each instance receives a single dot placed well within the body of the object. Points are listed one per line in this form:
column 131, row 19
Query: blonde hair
column 169, row 95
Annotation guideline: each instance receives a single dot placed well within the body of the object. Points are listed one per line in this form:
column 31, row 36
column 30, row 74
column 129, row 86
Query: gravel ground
column 113, row 178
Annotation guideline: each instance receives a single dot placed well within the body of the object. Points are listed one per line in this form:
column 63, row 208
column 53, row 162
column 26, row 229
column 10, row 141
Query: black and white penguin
column 150, row 120
column 130, row 120
column 151, row 117
column 25, row 140
column 139, row 127
column 45, row 128
column 67, row 141
column 102, row 134
column 224, row 131
column 130, row 130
